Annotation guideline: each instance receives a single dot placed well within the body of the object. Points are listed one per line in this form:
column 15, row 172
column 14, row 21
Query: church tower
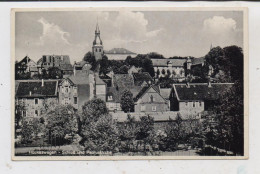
column 97, row 48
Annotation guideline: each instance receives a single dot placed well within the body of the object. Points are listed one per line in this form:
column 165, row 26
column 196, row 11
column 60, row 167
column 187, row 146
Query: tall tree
column 127, row 101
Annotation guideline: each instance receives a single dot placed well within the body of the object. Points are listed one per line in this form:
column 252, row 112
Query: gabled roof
column 79, row 78
column 117, row 93
column 200, row 91
column 25, row 60
column 119, row 51
column 123, row 80
column 140, row 77
column 36, row 89
column 146, row 89
column 165, row 62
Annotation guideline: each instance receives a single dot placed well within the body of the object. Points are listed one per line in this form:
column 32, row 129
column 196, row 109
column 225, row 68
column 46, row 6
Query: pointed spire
column 211, row 46
column 97, row 27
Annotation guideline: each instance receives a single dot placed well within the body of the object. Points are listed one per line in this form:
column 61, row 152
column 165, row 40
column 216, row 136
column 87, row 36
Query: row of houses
column 37, row 96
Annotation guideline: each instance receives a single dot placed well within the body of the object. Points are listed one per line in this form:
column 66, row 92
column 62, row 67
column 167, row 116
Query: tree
column 90, row 58
column 123, row 69
column 61, row 122
column 147, row 66
column 127, row 101
column 26, row 132
column 54, row 73
column 104, row 65
column 97, row 129
column 146, row 132
column 168, row 73
column 101, row 135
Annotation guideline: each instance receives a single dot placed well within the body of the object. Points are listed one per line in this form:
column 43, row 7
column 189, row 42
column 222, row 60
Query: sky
column 170, row 33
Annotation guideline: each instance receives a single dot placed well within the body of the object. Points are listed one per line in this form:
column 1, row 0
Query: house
column 132, row 70
column 194, row 98
column 149, row 99
column 77, row 89
column 59, row 61
column 172, row 67
column 27, row 65
column 35, row 95
column 114, row 95
column 81, row 87
column 175, row 67
column 119, row 54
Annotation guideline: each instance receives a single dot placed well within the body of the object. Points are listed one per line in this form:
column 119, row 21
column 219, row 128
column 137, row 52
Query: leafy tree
column 168, row 73
column 101, row 135
column 154, row 55
column 147, row 66
column 54, row 73
column 104, row 65
column 26, row 132
column 127, row 101
column 127, row 132
column 97, row 129
column 146, row 130
column 90, row 58
column 61, row 121
column 123, row 69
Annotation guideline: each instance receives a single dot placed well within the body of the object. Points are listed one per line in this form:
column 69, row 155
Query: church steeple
column 97, row 48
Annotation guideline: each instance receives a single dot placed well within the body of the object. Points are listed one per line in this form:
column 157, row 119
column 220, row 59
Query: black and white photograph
column 129, row 83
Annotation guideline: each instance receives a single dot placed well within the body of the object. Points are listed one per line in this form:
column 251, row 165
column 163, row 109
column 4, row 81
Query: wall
column 188, row 109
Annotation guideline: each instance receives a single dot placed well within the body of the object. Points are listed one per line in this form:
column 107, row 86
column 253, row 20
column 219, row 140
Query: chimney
column 42, row 83
column 30, row 93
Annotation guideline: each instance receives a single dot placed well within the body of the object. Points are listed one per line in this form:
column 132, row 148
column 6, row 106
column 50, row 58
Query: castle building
column 97, row 48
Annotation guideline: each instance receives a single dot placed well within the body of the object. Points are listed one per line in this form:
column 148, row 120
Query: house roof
column 79, row 78
column 66, row 67
column 165, row 62
column 119, row 51
column 196, row 61
column 117, row 93
column 99, row 81
column 200, row 91
column 25, row 59
column 37, row 90
column 144, row 90
column 123, row 80
column 140, row 77
column 165, row 92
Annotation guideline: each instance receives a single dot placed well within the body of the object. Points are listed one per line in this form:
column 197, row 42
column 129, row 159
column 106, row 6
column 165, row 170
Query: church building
column 97, row 48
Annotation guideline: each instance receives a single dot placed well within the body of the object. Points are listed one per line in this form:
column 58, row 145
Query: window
column 200, row 103
column 99, row 49
column 75, row 100
column 36, row 101
column 96, row 49
column 36, row 113
column 24, row 113
column 151, row 98
column 66, row 89
column 193, row 104
column 66, row 101
column 110, row 97
column 153, row 108
column 186, row 103
column 142, row 108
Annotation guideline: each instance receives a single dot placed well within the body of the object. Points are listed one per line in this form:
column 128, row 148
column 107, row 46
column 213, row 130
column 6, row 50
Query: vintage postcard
column 129, row 83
